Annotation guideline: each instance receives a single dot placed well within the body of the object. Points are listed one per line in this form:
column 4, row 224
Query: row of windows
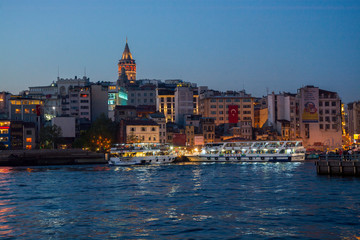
column 327, row 119
column 144, row 100
column 326, row 104
column 26, row 110
column 327, row 111
column 139, row 94
column 4, row 131
column 143, row 129
column 222, row 112
column 227, row 106
column 230, row 100
column 327, row 126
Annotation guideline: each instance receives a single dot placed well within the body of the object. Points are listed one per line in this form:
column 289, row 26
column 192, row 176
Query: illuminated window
column 17, row 111
column 28, row 147
column 4, row 131
column 28, row 140
column 27, row 110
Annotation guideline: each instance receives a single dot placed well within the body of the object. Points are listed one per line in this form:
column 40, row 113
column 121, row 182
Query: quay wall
column 335, row 167
column 49, row 157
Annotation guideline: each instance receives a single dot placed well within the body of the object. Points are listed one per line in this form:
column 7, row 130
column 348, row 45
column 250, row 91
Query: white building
column 320, row 118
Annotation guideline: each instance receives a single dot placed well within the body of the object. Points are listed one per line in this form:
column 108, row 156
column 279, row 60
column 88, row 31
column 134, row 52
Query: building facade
column 354, row 121
column 320, row 118
column 216, row 105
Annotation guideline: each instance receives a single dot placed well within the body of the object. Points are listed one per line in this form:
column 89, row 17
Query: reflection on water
column 192, row 200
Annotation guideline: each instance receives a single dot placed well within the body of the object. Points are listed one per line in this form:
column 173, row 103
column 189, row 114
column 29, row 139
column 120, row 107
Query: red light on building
column 38, row 110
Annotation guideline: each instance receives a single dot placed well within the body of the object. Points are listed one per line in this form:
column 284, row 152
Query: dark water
column 195, row 201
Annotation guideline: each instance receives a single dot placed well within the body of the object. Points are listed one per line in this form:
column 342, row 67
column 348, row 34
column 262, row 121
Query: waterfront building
column 227, row 107
column 283, row 115
column 4, row 103
column 5, row 134
column 127, row 65
column 133, row 131
column 320, row 118
column 159, row 118
column 25, row 109
column 354, row 121
column 207, row 126
column 117, row 96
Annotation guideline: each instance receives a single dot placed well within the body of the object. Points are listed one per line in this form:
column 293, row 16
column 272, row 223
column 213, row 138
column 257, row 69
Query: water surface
column 190, row 201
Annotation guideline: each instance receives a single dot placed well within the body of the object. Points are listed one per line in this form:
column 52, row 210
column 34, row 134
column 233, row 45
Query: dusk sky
column 223, row 44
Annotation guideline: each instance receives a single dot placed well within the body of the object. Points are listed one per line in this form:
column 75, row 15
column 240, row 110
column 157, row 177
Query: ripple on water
column 199, row 201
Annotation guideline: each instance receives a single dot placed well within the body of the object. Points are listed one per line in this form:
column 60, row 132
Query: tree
column 49, row 136
column 101, row 134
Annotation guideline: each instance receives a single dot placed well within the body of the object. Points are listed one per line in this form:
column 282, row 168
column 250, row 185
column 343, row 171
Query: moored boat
column 141, row 154
column 259, row 151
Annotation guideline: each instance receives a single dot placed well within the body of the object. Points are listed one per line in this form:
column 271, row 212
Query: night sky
column 261, row 45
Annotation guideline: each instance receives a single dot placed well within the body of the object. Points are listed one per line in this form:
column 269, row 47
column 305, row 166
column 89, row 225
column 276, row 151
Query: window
column 247, row 106
column 221, row 106
column 228, row 100
column 28, row 147
column 247, row 100
column 168, row 99
column 213, row 106
column 333, row 103
column 326, row 104
column 321, row 119
column 169, row 105
column 212, row 100
column 327, row 111
column 153, row 129
column 334, row 119
column 334, row 126
column 327, row 126
column 28, row 140
column 27, row 110
column 150, row 94
column 143, row 129
column 213, row 112
column 28, row 132
column 132, row 129
column 17, row 111
column 84, row 107
column 320, row 103
column 162, row 99
column 145, row 94
column 333, row 112
column 221, row 112
column 84, row 101
column 221, row 100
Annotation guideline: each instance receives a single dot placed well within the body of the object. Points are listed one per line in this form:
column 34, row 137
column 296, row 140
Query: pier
column 337, row 167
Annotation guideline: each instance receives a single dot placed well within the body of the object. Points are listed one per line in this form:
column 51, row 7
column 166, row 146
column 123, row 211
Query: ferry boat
column 141, row 154
column 259, row 151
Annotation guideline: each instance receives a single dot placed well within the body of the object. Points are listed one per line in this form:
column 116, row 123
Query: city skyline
column 233, row 45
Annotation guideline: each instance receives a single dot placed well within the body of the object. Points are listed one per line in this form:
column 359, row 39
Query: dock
column 337, row 167
column 45, row 157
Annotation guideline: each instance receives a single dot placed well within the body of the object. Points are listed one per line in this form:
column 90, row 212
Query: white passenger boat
column 259, row 151
column 141, row 154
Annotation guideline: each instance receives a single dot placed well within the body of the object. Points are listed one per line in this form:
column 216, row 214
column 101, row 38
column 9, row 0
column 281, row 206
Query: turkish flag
column 233, row 113
column 38, row 110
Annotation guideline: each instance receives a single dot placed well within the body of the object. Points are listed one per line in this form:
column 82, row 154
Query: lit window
column 17, row 110
column 28, row 140
column 27, row 110
column 28, row 147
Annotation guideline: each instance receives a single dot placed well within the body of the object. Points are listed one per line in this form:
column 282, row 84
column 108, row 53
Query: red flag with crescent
column 233, row 113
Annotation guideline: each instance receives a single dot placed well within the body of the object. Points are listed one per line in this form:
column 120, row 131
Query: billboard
column 310, row 105
column 233, row 113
